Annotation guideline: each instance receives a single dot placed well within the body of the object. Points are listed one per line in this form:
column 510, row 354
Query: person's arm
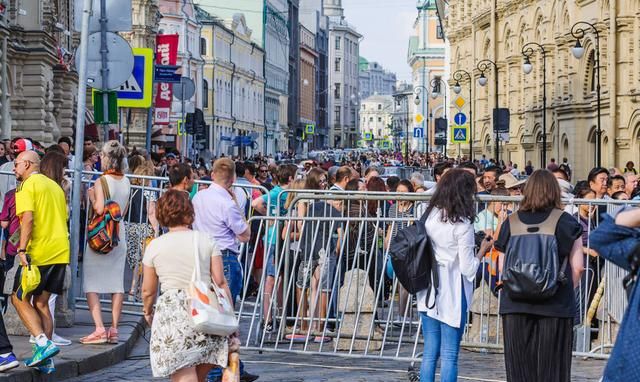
column 576, row 258
column 217, row 275
column 259, row 205
column 96, row 197
column 151, row 215
column 237, row 224
column 629, row 218
column 26, row 228
column 469, row 260
column 149, row 292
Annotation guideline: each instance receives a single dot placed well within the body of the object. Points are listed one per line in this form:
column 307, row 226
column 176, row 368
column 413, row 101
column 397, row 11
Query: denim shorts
column 232, row 272
column 271, row 261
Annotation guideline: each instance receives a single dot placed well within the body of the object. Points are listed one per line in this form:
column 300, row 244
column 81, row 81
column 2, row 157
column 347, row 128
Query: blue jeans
column 233, row 274
column 441, row 341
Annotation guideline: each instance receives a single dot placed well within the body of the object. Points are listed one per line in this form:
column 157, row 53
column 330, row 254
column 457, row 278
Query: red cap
column 21, row 145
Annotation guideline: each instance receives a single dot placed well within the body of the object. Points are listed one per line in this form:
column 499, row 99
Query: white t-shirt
column 172, row 256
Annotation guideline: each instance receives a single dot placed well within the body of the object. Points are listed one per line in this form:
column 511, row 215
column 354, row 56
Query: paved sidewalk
column 287, row 367
column 77, row 359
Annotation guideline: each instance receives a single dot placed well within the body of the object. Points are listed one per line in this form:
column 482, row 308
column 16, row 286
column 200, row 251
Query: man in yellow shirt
column 44, row 242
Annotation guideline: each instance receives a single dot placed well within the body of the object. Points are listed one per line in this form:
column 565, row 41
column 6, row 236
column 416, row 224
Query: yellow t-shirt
column 49, row 242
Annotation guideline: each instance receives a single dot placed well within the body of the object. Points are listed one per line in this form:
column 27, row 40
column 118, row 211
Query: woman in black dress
column 538, row 334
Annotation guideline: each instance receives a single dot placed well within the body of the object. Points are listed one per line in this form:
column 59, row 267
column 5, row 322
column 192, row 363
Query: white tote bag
column 211, row 310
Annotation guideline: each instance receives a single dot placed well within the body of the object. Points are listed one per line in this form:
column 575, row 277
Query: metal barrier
column 348, row 305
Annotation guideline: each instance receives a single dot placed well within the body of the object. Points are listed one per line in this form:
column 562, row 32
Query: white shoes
column 57, row 340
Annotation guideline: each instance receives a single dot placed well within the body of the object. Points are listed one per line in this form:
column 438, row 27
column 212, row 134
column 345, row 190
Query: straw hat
column 511, row 181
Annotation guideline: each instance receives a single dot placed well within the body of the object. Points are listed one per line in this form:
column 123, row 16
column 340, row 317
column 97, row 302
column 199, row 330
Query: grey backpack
column 532, row 270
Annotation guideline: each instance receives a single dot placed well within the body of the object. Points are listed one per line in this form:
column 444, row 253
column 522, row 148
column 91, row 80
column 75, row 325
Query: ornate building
column 376, row 115
column 374, row 79
column 499, row 29
column 39, row 84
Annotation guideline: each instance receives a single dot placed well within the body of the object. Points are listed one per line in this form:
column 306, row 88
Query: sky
column 386, row 26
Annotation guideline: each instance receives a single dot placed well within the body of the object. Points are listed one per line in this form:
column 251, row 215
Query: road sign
column 501, row 117
column 226, row 138
column 368, row 136
column 169, row 74
column 418, row 132
column 119, row 61
column 138, row 89
column 460, row 119
column 460, row 134
column 189, row 89
column 419, row 118
column 459, row 102
column 310, row 129
column 118, row 16
column 100, row 107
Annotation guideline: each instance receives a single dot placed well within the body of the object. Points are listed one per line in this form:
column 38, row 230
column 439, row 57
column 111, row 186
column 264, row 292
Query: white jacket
column 454, row 248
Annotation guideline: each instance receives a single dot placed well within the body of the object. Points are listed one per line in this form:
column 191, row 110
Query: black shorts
column 51, row 279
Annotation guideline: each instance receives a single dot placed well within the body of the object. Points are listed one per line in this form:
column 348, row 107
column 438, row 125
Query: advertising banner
column 166, row 54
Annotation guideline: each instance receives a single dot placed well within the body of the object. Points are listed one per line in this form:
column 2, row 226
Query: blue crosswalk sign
column 460, row 134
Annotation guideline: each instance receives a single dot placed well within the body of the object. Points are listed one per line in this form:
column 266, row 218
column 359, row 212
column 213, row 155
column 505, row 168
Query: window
column 336, row 92
column 370, row 119
column 337, row 115
column 338, row 41
column 338, row 61
column 379, row 106
column 203, row 46
column 205, row 94
column 439, row 33
column 379, row 119
column 437, row 80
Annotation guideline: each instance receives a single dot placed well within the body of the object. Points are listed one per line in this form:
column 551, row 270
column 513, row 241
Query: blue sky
column 386, row 26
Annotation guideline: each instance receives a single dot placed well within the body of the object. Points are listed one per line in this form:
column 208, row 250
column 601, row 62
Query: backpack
column 532, row 270
column 414, row 261
column 103, row 231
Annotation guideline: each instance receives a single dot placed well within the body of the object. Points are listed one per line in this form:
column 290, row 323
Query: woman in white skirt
column 104, row 273
column 176, row 348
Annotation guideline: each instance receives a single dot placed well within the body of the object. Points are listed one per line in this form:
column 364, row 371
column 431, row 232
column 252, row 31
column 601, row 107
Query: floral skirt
column 137, row 235
column 174, row 342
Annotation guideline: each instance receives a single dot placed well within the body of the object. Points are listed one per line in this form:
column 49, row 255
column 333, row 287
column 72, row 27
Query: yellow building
column 498, row 30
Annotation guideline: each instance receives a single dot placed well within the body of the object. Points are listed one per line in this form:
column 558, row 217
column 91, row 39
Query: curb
column 69, row 368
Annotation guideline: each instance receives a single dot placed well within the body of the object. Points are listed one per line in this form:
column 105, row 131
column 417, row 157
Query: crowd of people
column 222, row 219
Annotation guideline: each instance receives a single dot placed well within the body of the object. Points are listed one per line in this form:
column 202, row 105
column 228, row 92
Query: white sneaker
column 32, row 340
column 60, row 341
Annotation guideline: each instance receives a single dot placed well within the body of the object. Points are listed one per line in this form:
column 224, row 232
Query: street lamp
column 483, row 66
column 578, row 31
column 417, row 90
column 527, row 67
column 398, row 97
column 458, row 75
column 437, row 86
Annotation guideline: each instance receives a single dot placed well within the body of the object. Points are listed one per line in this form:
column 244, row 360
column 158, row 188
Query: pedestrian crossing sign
column 368, row 136
column 310, row 129
column 460, row 134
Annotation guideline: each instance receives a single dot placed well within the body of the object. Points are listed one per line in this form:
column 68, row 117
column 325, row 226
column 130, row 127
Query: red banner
column 166, row 54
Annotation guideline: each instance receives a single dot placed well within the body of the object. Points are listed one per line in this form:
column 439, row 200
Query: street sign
column 167, row 73
column 368, row 136
column 189, row 89
column 460, row 134
column 118, row 15
column 460, row 119
column 459, row 102
column 310, row 129
column 100, row 107
column 138, row 89
column 418, row 132
column 226, row 138
column 119, row 61
column 419, row 118
column 501, row 117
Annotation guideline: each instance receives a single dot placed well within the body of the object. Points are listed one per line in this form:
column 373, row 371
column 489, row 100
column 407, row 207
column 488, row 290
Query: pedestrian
column 528, row 169
column 44, row 242
column 631, row 184
column 538, row 334
column 181, row 177
column 615, row 184
column 104, row 273
column 490, row 179
column 630, row 167
column 598, row 179
column 449, row 225
column 170, row 160
column 176, row 349
column 7, row 179
column 218, row 215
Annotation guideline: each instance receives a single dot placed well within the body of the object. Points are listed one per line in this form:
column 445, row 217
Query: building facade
column 376, row 119
column 39, row 82
column 344, row 100
column 276, row 44
column 427, row 58
column 374, row 79
column 487, row 31
column 294, row 129
column 403, row 115
column 235, row 84
column 307, row 104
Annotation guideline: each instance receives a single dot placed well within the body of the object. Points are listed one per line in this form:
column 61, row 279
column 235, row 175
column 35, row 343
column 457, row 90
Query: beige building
column 498, row 29
column 376, row 114
column 307, row 104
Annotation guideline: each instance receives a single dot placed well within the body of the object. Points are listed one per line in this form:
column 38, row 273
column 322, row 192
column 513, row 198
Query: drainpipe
column 613, row 86
column 4, row 99
column 233, row 72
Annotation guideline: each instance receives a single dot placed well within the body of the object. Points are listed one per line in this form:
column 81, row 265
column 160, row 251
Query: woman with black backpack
column 449, row 226
column 537, row 305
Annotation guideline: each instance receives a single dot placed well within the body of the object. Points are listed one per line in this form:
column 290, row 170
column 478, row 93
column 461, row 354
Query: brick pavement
column 287, row 367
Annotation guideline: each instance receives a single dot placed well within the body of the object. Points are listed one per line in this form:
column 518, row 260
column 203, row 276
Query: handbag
column 211, row 311
column 103, row 231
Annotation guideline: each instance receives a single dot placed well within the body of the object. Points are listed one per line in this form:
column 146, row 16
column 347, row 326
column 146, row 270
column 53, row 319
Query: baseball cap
column 170, row 156
column 21, row 145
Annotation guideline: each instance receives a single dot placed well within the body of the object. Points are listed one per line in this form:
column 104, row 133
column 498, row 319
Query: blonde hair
column 144, row 169
column 224, row 169
column 297, row 184
column 113, row 155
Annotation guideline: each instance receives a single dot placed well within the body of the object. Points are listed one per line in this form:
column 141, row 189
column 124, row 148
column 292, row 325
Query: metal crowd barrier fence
column 332, row 290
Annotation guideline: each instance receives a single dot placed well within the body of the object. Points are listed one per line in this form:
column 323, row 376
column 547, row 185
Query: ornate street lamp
column 417, row 91
column 578, row 31
column 437, row 87
column 458, row 75
column 483, row 66
column 527, row 67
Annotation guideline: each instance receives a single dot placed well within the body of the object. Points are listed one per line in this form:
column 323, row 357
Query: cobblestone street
column 281, row 367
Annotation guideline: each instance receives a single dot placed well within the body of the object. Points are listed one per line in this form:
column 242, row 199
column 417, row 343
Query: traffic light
column 441, row 125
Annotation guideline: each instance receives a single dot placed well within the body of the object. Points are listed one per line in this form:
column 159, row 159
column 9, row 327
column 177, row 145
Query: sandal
column 112, row 336
column 322, row 339
column 296, row 337
column 95, row 338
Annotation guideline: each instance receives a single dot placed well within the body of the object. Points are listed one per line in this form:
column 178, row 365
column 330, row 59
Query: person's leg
column 5, row 344
column 203, row 370
column 431, row 352
column 450, row 346
column 93, row 300
column 116, row 309
column 188, row 374
column 28, row 315
column 41, row 303
column 267, row 308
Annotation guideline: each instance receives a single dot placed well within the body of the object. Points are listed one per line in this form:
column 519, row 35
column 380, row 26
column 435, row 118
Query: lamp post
column 437, row 87
column 398, row 97
column 482, row 66
column 458, row 75
column 417, row 90
column 578, row 31
column 527, row 67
